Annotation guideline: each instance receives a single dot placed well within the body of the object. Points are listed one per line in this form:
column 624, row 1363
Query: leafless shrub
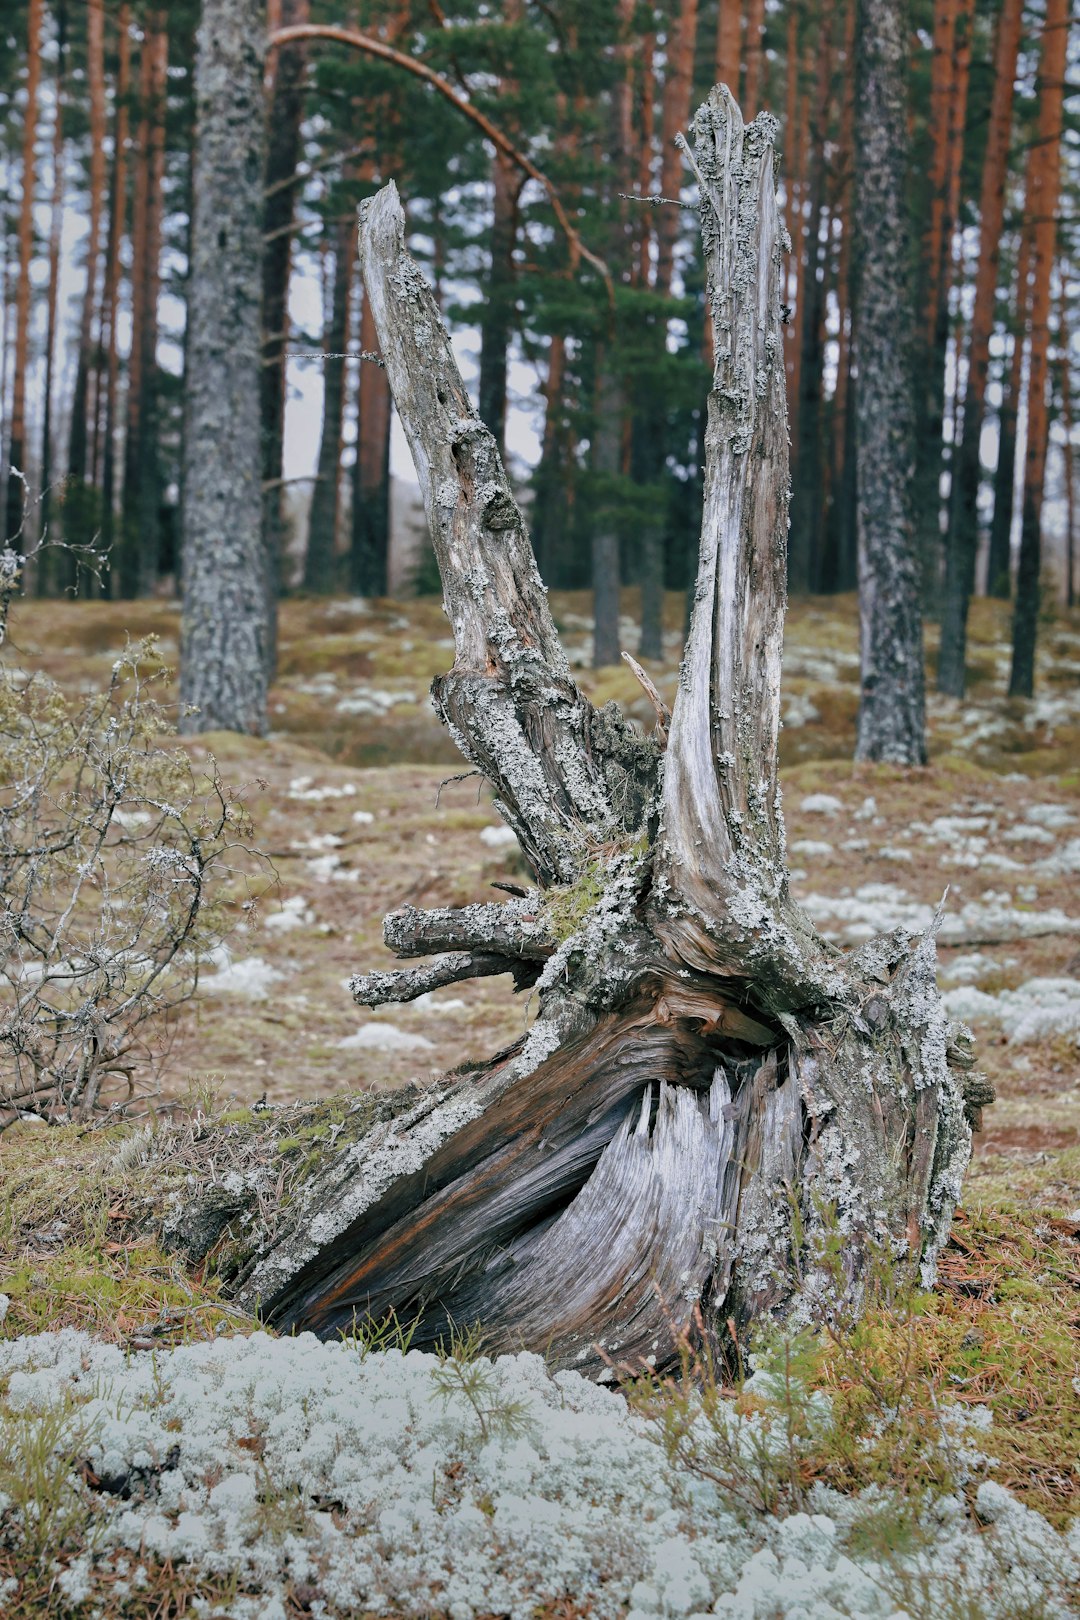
column 118, row 864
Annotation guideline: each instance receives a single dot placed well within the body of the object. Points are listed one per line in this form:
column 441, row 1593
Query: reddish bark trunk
column 13, row 534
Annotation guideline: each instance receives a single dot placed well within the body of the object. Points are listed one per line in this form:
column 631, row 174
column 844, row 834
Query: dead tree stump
column 710, row 1096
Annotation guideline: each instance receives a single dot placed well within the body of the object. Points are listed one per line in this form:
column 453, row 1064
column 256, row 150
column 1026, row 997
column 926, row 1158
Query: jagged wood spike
column 568, row 778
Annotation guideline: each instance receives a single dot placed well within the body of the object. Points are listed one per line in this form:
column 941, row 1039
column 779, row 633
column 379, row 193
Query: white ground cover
column 408, row 1497
column 1033, row 1011
column 874, row 908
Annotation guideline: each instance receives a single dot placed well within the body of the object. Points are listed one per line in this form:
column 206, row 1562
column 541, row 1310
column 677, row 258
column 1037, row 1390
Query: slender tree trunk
column 46, row 573
column 999, row 562
column 799, row 104
column 497, row 307
column 111, row 289
column 967, row 468
column 1042, row 203
column 320, row 563
column 604, row 550
column 369, row 550
column 288, row 67
column 651, row 443
column 891, row 722
column 714, row 1118
column 1064, row 338
column 79, row 506
column 804, row 551
column 949, row 116
column 729, row 44
column 142, row 484
column 550, row 507
column 16, row 492
column 755, row 56
column 838, row 570
column 223, row 657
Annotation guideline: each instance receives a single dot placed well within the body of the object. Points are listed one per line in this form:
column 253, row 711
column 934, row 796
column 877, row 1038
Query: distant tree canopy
column 98, row 122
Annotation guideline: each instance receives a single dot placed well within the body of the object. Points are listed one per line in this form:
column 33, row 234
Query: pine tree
column 224, row 627
column 1042, row 207
column 963, row 517
column 891, row 723
column 17, row 434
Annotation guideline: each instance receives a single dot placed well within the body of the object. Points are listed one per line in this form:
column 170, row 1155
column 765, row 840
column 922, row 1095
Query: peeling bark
column 709, row 1094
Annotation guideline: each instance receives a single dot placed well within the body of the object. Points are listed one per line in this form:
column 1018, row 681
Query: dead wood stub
column 709, row 1093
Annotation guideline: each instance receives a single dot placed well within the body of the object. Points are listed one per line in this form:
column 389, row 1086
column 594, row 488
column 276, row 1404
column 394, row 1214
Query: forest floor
column 350, row 798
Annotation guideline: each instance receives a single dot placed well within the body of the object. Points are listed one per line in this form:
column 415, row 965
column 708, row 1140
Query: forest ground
column 345, row 797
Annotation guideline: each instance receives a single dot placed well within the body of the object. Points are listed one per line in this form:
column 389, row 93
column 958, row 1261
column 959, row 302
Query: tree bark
column 141, row 486
column 709, row 1094
column 79, row 506
column 369, row 547
column 320, row 566
column 282, row 153
column 45, row 580
column 891, row 723
column 755, row 56
column 224, row 629
column 497, row 307
column 1042, row 203
column 16, row 489
column 999, row 558
column 111, row 288
column 967, row 467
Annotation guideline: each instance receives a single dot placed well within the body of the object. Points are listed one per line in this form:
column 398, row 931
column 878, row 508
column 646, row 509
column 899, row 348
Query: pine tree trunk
column 497, row 307
column 604, row 547
column 111, row 289
column 223, row 656
column 369, row 546
column 891, row 723
column 141, row 485
column 282, row 154
column 1069, row 449
column 729, row 44
column 967, row 468
column 755, row 57
column 1042, row 203
column 709, row 1097
column 838, row 563
column 650, row 417
column 999, row 561
column 804, row 555
column 320, row 563
column 80, row 512
column 16, row 490
column 46, row 574
column 949, row 115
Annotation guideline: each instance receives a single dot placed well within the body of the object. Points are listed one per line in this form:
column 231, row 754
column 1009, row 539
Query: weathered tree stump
column 710, row 1095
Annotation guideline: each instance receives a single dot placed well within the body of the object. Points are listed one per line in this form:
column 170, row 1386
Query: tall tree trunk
column 111, row 288
column 999, row 560
column 755, row 56
column 497, row 307
column 709, row 1096
column 223, row 658
column 369, row 546
column 1069, row 449
column 804, row 550
column 142, row 481
column 798, row 141
column 651, row 445
column 288, row 66
column 16, row 490
column 729, row 44
column 966, row 467
column 320, row 563
column 891, row 723
column 80, row 512
column 951, row 68
column 604, row 549
column 46, row 572
column 1042, row 203
column 838, row 561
